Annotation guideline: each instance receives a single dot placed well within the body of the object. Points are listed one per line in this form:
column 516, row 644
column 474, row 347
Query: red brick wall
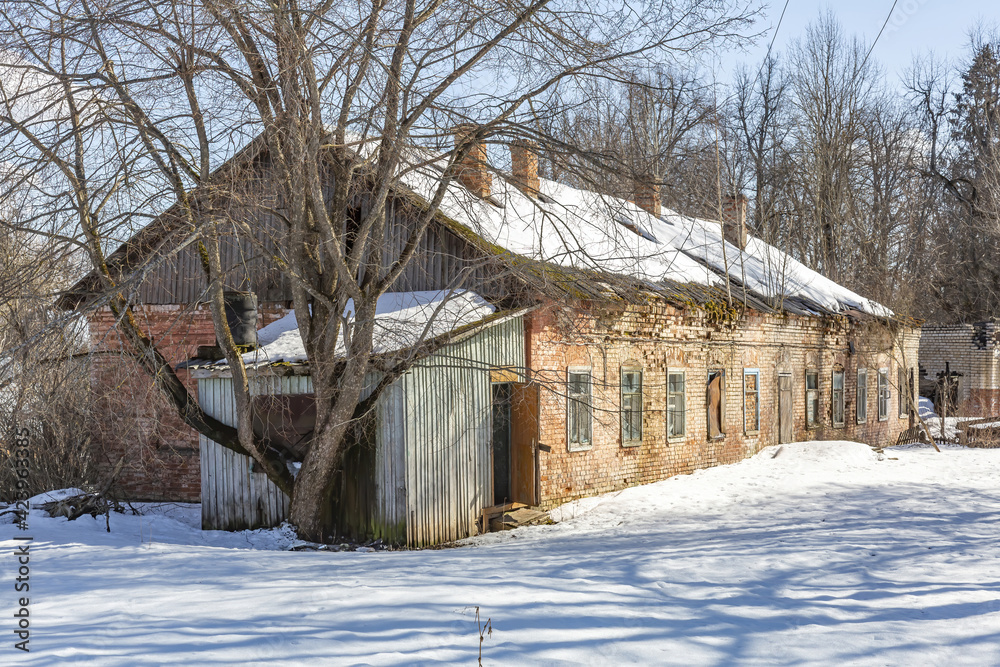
column 656, row 338
column 161, row 452
column 982, row 402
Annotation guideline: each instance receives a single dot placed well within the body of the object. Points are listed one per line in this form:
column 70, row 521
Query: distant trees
column 829, row 155
column 651, row 125
column 759, row 113
column 961, row 130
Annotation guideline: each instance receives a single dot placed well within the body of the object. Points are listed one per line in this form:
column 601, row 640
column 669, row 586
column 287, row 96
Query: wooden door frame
column 791, row 411
column 522, row 394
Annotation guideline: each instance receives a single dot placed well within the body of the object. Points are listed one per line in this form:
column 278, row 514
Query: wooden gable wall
column 445, row 259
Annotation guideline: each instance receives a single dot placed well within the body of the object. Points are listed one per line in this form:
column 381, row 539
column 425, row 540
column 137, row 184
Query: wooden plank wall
column 444, row 260
column 236, row 498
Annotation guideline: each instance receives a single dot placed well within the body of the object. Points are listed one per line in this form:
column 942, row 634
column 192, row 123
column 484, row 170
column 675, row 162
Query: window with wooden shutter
column 716, row 402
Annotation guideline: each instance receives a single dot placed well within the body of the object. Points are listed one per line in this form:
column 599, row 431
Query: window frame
column 683, row 407
column 884, row 394
column 631, row 442
column 722, row 403
column 588, row 404
column 838, row 394
column 861, row 396
column 812, row 397
column 756, row 373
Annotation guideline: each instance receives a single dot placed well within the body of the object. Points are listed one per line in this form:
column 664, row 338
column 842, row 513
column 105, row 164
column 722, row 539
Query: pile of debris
column 511, row 515
column 369, row 547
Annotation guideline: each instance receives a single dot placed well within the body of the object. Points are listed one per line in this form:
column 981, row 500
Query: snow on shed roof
column 402, row 320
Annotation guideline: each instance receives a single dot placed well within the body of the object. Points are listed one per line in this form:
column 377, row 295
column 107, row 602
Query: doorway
column 515, row 443
column 786, row 430
column 501, row 442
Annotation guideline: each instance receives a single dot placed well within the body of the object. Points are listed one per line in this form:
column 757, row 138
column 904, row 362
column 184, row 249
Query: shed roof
column 403, row 321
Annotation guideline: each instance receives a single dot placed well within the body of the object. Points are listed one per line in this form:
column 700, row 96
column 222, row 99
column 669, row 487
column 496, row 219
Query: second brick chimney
column 524, row 166
column 647, row 196
column 734, row 220
column 471, row 172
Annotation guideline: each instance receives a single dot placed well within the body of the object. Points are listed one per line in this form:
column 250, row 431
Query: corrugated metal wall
column 233, row 497
column 390, row 463
column 449, row 432
column 433, row 437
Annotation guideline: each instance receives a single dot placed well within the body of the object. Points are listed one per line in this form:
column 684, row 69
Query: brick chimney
column 734, row 220
column 647, row 196
column 524, row 166
column 471, row 172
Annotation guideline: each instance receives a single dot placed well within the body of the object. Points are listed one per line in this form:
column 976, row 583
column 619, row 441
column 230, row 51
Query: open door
column 786, row 430
column 501, row 443
column 524, row 443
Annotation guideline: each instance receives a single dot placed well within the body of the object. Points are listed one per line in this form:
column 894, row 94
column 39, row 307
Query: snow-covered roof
column 402, row 320
column 585, row 230
column 570, row 227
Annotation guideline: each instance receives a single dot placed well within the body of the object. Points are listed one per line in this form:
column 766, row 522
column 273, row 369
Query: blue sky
column 916, row 27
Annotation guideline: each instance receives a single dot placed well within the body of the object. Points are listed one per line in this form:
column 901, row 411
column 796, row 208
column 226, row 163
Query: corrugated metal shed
column 448, row 426
column 432, row 444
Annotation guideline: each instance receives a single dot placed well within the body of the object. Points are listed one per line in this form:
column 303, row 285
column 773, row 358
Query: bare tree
column 832, row 84
column 151, row 96
column 760, row 113
column 961, row 167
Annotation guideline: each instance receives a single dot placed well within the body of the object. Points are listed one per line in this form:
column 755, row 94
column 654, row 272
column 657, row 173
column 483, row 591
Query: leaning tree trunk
column 338, row 388
column 312, row 502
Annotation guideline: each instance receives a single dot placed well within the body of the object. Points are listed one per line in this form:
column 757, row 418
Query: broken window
column 812, row 399
column 883, row 394
column 285, row 421
column 837, row 398
column 861, row 396
column 751, row 400
column 631, row 407
column 716, row 401
column 578, row 409
column 675, row 404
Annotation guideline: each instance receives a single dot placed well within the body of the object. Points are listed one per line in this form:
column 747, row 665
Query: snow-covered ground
column 817, row 553
column 948, row 430
column 945, row 430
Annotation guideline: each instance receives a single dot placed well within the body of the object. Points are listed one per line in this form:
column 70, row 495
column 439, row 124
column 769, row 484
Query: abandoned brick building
column 970, row 353
column 623, row 344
